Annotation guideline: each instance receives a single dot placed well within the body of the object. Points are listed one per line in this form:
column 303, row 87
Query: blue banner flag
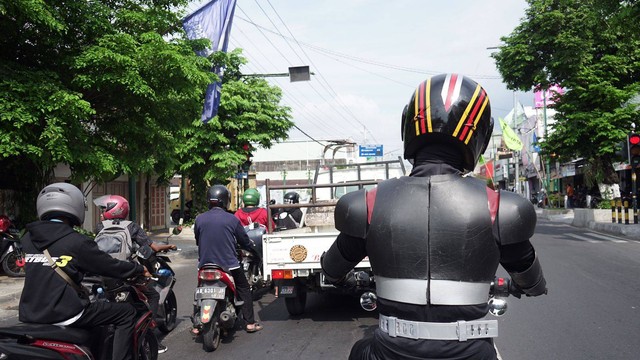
column 212, row 21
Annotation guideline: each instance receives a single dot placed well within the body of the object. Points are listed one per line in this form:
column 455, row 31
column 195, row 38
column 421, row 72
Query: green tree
column 592, row 49
column 102, row 86
column 250, row 115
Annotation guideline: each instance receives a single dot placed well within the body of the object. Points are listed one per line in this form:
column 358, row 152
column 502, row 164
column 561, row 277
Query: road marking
column 495, row 346
column 584, row 238
column 609, row 238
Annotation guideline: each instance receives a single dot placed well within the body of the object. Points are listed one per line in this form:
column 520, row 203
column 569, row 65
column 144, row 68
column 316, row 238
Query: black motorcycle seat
column 212, row 266
column 48, row 332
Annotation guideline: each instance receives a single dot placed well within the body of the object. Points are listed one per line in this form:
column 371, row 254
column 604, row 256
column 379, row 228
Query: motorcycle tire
column 13, row 264
column 295, row 305
column 170, row 313
column 211, row 334
column 148, row 346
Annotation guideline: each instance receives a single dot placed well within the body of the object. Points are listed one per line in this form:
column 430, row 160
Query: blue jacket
column 217, row 233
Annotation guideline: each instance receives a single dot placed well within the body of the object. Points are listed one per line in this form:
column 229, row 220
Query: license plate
column 286, row 290
column 210, row 292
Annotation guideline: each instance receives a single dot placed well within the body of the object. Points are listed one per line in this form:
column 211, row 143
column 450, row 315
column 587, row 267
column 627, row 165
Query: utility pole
column 544, row 114
column 516, row 153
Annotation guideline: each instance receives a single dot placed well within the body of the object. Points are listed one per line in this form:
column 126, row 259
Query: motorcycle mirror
column 272, row 201
column 497, row 306
column 145, row 252
column 368, row 301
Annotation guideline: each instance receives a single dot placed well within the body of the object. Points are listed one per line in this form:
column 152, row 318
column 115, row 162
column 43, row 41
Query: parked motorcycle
column 40, row 341
column 215, row 306
column 11, row 254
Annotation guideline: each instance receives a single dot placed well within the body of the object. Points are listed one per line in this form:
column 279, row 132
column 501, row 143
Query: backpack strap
column 81, row 290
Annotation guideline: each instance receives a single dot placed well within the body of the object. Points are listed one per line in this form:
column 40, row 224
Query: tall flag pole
column 212, row 21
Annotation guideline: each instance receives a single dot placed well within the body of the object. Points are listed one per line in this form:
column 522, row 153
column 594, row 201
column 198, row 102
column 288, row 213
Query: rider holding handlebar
column 47, row 297
column 436, row 237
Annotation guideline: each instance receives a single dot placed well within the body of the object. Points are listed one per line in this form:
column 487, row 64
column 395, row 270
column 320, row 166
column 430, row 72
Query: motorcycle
column 167, row 315
column 11, row 254
column 215, row 305
column 251, row 261
column 41, row 341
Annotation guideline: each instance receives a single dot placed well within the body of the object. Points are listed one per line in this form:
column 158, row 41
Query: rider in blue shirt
column 217, row 232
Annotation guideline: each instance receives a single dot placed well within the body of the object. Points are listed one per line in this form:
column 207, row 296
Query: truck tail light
column 281, row 274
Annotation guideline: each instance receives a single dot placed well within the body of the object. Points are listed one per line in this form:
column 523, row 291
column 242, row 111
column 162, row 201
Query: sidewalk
column 583, row 218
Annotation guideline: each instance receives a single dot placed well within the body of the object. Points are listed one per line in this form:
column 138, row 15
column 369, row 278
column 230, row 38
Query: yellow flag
column 509, row 136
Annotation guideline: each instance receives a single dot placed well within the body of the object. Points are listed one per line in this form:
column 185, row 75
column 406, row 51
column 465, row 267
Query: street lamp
column 295, row 74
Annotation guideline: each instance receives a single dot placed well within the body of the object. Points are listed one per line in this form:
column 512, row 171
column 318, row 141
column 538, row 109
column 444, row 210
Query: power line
column 368, row 61
column 310, row 84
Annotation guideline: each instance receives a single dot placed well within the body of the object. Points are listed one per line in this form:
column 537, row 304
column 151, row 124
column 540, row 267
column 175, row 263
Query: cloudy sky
column 369, row 55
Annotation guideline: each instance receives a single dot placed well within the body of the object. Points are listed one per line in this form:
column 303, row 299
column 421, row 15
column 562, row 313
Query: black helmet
column 218, row 195
column 450, row 109
column 61, row 200
column 291, row 197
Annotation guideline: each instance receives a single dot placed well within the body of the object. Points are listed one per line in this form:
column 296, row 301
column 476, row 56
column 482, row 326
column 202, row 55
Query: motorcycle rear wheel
column 148, row 348
column 211, row 335
column 170, row 313
column 11, row 264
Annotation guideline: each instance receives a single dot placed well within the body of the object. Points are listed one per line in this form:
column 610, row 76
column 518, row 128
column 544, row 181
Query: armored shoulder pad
column 351, row 214
column 516, row 218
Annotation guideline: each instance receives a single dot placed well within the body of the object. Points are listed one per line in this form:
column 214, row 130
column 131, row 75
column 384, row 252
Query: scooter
column 168, row 307
column 215, row 306
column 251, row 261
column 44, row 342
column 11, row 254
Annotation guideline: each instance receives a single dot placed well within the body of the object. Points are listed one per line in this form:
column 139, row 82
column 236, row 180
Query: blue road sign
column 370, row 150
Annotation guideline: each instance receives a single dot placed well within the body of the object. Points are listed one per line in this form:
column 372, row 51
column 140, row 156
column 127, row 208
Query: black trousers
column 381, row 346
column 121, row 315
column 244, row 293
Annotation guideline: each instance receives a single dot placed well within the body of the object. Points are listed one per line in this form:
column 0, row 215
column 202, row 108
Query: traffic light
column 633, row 143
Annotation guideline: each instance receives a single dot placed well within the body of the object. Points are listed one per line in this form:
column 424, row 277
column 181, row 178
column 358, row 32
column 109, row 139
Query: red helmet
column 450, row 109
column 113, row 206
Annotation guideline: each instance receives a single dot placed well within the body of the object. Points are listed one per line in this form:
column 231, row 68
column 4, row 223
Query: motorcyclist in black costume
column 436, row 237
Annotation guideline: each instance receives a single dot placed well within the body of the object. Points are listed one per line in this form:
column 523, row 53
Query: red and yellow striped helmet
column 450, row 109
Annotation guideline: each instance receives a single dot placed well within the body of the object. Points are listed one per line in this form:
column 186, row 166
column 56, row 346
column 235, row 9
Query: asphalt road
column 592, row 310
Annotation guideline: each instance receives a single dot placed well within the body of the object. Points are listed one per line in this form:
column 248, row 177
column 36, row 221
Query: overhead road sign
column 370, row 150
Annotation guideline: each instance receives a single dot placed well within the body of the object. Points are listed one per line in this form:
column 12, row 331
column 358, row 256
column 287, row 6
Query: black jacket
column 46, row 297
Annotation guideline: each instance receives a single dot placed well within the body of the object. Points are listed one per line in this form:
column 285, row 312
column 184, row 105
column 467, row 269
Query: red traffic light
column 634, row 139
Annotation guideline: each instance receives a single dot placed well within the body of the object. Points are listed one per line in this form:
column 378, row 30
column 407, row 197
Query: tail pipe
column 227, row 319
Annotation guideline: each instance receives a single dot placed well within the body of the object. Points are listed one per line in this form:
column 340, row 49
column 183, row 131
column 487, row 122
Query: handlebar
column 503, row 287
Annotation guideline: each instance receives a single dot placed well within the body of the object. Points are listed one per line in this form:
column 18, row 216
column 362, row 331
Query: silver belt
column 459, row 330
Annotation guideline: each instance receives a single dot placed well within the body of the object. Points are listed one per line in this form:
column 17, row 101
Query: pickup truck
column 291, row 258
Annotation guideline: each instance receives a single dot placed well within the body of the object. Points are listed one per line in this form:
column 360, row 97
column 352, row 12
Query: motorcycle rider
column 289, row 218
column 217, row 233
column 436, row 237
column 251, row 213
column 47, row 298
column 116, row 208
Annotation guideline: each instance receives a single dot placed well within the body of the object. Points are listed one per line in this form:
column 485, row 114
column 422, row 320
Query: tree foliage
column 592, row 49
column 249, row 116
column 114, row 87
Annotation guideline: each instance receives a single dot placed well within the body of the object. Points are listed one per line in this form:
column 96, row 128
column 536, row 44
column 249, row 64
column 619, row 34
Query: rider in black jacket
column 436, row 237
column 47, row 298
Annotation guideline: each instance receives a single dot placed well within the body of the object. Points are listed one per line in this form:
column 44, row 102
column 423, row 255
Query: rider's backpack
column 115, row 239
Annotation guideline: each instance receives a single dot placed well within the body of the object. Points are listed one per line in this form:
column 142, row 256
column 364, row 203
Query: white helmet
column 62, row 199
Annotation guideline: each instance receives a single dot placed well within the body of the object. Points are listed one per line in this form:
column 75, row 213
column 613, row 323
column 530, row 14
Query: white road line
column 497, row 352
column 609, row 238
column 584, row 238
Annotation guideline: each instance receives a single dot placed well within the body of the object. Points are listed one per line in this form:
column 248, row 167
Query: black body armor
column 434, row 240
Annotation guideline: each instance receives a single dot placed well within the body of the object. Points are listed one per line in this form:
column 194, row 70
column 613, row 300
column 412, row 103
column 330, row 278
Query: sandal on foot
column 256, row 327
